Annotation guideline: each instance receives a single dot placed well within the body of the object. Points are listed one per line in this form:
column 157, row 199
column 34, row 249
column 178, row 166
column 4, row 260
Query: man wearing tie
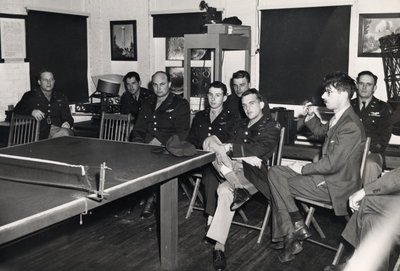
column 332, row 179
column 375, row 116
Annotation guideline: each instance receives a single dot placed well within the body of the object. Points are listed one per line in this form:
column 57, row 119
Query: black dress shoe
column 291, row 248
column 219, row 261
column 277, row 245
column 301, row 230
column 240, row 196
column 148, row 209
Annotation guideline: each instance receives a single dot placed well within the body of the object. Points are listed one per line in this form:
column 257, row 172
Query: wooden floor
column 114, row 238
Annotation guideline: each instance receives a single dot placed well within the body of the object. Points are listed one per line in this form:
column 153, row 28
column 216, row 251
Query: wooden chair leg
column 193, row 199
column 243, row 216
column 264, row 224
column 338, row 254
column 314, row 222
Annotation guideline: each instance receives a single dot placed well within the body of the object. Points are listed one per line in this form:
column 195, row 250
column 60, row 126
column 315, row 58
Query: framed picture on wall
column 123, row 36
column 373, row 26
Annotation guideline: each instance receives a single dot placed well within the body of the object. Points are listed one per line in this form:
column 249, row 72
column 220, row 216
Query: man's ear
column 38, row 81
column 225, row 97
column 373, row 91
column 262, row 104
column 169, row 84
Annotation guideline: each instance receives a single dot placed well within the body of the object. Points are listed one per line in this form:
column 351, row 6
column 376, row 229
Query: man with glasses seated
column 332, row 179
column 49, row 106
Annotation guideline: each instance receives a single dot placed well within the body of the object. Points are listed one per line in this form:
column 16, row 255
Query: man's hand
column 308, row 111
column 252, row 160
column 296, row 167
column 355, row 199
column 37, row 114
column 66, row 125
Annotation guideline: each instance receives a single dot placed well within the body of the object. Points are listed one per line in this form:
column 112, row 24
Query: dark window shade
column 298, row 48
column 176, row 25
column 58, row 42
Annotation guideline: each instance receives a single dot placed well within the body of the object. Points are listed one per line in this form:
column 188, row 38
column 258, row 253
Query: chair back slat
column 364, row 157
column 23, row 129
column 115, row 127
column 276, row 157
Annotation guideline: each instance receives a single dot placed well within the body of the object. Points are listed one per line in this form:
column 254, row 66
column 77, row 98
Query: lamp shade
column 108, row 86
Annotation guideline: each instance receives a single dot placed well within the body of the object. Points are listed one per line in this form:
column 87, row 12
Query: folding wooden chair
column 115, row 127
column 309, row 207
column 23, row 129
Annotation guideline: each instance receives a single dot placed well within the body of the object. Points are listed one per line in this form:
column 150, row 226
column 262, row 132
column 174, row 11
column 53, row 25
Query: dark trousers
column 211, row 180
column 284, row 185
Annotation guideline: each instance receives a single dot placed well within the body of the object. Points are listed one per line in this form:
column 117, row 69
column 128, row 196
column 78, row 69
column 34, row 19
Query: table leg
column 169, row 224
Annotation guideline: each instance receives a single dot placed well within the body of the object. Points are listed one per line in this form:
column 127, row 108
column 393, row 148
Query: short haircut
column 341, row 81
column 219, row 84
column 39, row 75
column 367, row 73
column 255, row 92
column 161, row 72
column 241, row 74
column 130, row 75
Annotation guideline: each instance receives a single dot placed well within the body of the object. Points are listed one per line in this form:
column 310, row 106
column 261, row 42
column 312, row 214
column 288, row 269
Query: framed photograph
column 123, row 40
column 174, row 50
column 372, row 27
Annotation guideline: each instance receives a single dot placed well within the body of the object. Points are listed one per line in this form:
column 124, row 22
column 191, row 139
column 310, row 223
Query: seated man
column 49, row 106
column 241, row 82
column 375, row 116
column 161, row 117
column 371, row 207
column 253, row 143
column 215, row 120
column 331, row 179
column 134, row 95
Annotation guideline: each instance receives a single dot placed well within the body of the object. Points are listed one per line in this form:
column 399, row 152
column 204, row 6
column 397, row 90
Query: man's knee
column 225, row 190
column 274, row 171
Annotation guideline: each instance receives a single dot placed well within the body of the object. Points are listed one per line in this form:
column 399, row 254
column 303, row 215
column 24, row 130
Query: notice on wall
column 13, row 45
column 14, row 82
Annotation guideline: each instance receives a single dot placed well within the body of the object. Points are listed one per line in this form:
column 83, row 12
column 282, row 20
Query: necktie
column 362, row 107
column 332, row 121
column 213, row 115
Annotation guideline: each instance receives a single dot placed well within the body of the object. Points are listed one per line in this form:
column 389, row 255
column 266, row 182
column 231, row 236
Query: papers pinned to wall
column 13, row 44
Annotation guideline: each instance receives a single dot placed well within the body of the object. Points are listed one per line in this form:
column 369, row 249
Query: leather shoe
column 277, row 245
column 148, row 209
column 301, row 230
column 291, row 248
column 219, row 261
column 240, row 196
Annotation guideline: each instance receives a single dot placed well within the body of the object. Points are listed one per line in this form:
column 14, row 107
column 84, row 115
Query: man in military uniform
column 375, row 116
column 253, row 143
column 134, row 95
column 161, row 117
column 215, row 120
column 240, row 83
column 49, row 106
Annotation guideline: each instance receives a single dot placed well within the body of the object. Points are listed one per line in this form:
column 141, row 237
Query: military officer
column 240, row 83
column 134, row 95
column 49, row 106
column 160, row 118
column 215, row 120
column 375, row 116
column 253, row 143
